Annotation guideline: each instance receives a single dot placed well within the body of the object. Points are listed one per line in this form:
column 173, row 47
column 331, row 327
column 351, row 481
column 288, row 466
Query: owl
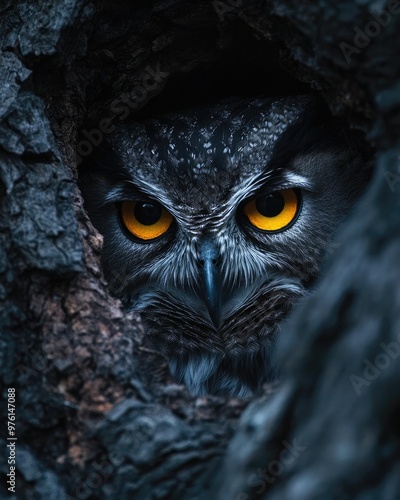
column 216, row 221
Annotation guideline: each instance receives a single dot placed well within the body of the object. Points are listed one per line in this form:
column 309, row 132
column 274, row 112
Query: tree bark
column 97, row 413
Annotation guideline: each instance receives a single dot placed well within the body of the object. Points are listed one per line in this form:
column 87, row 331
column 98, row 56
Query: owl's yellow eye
column 273, row 211
column 146, row 220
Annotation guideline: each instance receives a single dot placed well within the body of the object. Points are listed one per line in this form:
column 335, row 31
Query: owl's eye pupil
column 270, row 205
column 147, row 213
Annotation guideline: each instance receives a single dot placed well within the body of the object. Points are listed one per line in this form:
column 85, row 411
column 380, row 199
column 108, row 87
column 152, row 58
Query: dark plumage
column 214, row 289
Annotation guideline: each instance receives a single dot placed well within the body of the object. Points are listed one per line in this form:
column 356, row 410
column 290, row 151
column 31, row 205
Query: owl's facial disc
column 215, row 224
column 146, row 221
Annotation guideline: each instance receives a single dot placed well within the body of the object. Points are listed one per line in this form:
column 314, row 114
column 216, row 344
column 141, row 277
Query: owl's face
column 215, row 223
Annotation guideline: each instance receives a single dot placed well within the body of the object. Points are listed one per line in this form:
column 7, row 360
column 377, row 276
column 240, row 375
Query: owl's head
column 215, row 223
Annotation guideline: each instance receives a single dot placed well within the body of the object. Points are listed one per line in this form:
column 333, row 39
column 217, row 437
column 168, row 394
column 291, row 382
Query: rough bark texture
column 97, row 413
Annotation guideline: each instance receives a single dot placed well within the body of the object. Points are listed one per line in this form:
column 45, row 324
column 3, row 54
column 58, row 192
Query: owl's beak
column 209, row 258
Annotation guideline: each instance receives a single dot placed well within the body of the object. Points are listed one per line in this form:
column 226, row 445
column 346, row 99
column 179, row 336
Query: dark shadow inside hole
column 245, row 67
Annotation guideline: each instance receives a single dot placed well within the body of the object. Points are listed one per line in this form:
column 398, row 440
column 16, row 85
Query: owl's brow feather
column 130, row 190
column 273, row 180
